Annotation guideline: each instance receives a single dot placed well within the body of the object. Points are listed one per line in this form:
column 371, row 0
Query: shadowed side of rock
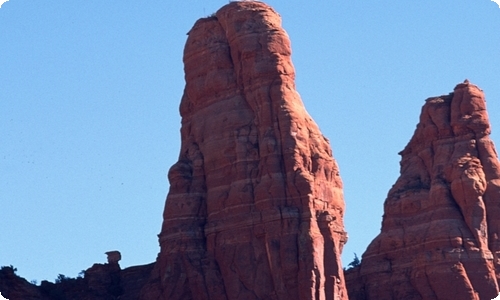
column 255, row 207
column 439, row 236
column 100, row 282
column 14, row 287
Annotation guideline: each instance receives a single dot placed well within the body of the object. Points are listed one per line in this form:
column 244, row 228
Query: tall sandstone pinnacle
column 440, row 230
column 255, row 207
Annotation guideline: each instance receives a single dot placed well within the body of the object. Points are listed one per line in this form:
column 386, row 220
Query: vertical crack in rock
column 447, row 201
column 255, row 207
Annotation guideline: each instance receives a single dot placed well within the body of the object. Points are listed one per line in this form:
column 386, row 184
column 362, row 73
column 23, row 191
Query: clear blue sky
column 89, row 122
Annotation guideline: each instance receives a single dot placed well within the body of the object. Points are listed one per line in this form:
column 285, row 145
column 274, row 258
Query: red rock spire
column 439, row 236
column 255, row 207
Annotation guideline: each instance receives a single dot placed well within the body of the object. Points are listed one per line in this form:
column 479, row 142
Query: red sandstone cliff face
column 440, row 230
column 255, row 207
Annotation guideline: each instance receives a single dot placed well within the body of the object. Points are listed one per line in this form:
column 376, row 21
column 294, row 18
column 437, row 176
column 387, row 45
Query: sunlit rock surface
column 255, row 207
column 440, row 230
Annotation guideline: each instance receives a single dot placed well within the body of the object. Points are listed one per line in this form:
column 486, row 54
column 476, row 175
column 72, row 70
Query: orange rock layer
column 440, row 230
column 255, row 207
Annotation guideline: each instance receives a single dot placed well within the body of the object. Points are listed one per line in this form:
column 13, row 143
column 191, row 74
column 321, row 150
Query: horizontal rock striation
column 255, row 207
column 440, row 230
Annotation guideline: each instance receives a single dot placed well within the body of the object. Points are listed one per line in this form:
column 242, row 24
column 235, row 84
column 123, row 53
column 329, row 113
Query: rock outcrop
column 14, row 287
column 440, row 230
column 100, row 282
column 255, row 207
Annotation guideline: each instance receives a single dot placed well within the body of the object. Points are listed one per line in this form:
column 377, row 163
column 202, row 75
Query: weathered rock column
column 439, row 236
column 255, row 207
